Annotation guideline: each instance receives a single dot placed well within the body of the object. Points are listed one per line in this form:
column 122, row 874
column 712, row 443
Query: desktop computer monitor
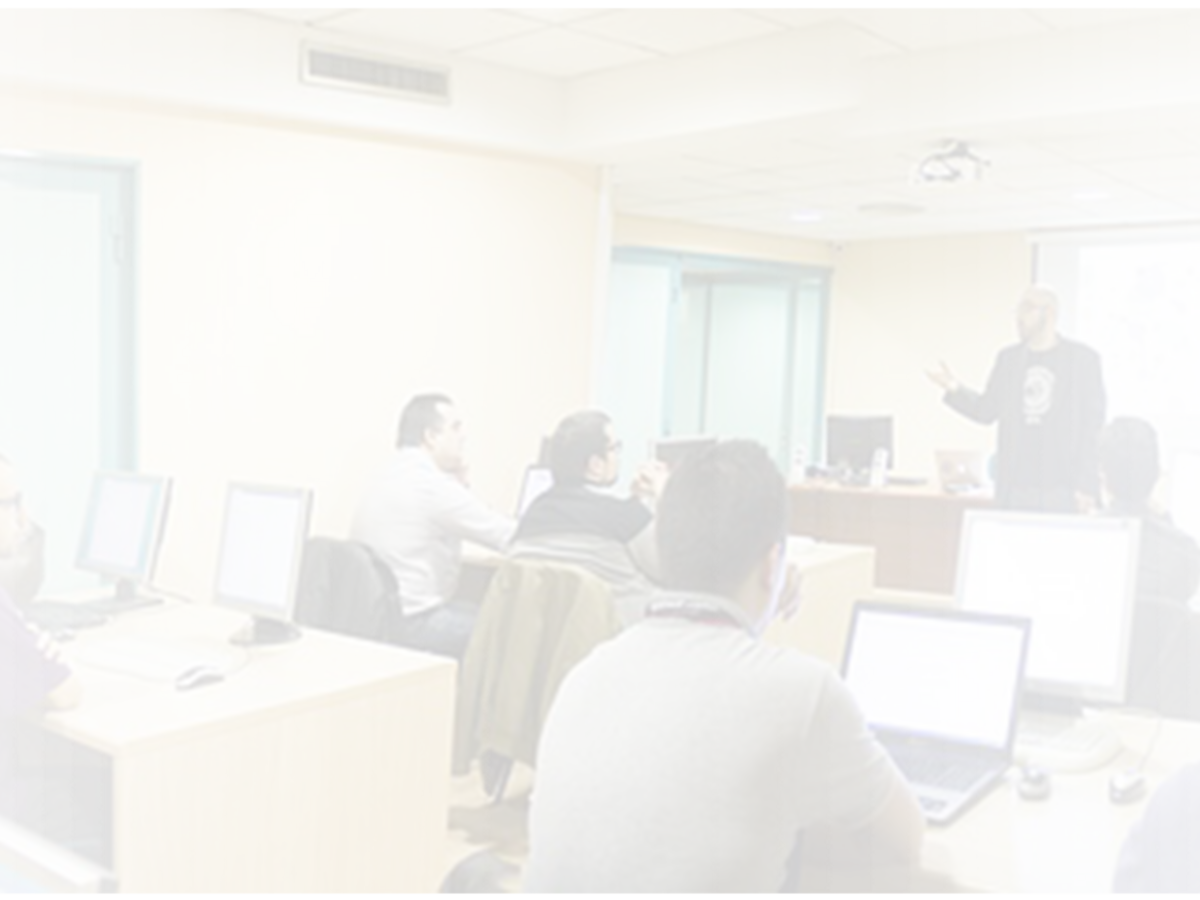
column 122, row 530
column 536, row 481
column 258, row 567
column 34, row 867
column 851, row 441
column 1075, row 578
column 1185, row 491
column 671, row 451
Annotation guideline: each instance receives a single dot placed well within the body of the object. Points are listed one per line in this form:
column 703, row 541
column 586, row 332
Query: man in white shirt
column 416, row 513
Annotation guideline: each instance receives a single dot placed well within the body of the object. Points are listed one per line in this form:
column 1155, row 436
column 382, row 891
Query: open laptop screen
column 938, row 674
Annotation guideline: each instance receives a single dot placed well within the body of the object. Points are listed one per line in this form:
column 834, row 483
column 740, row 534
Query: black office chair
column 1164, row 658
column 346, row 588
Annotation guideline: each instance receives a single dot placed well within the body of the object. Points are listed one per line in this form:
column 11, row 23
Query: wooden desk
column 914, row 531
column 1068, row 843
column 321, row 765
column 836, row 576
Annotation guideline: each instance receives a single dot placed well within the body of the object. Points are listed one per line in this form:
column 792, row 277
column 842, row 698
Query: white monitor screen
column 1074, row 577
column 123, row 525
column 936, row 674
column 261, row 548
column 1185, row 490
column 537, row 480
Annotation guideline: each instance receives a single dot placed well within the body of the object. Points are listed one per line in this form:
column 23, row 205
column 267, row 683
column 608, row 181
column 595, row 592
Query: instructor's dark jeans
column 1037, row 499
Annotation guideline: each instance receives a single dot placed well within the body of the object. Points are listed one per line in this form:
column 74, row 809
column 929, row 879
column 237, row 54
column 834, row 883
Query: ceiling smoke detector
column 955, row 163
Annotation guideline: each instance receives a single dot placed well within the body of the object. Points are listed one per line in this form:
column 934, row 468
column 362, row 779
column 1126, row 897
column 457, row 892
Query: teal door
column 709, row 345
column 67, row 359
column 749, row 359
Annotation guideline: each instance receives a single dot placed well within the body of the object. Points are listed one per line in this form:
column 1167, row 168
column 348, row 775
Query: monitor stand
column 264, row 632
column 1053, row 734
column 125, row 597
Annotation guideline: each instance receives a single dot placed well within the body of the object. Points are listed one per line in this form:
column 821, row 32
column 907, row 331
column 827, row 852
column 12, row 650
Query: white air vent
column 358, row 72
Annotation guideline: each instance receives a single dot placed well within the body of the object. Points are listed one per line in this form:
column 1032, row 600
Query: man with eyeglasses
column 579, row 521
column 31, row 675
column 22, row 567
column 1046, row 394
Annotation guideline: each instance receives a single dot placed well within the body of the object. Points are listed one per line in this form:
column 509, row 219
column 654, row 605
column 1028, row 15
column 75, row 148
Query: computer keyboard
column 153, row 660
column 1061, row 744
column 952, row 773
column 54, row 617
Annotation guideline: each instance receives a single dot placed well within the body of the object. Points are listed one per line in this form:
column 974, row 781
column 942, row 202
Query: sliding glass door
column 740, row 350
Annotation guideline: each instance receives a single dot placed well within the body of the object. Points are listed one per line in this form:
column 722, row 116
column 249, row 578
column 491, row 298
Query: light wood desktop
column 319, row 765
column 1066, row 846
column 835, row 577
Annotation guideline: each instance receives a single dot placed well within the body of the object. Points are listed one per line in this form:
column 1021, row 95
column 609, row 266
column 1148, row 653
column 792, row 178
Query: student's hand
column 650, row 480
column 47, row 646
column 789, row 603
column 943, row 377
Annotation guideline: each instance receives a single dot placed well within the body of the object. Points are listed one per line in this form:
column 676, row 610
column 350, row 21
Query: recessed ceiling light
column 807, row 215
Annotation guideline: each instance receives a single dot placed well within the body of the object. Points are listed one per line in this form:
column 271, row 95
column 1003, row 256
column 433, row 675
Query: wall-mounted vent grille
column 355, row 71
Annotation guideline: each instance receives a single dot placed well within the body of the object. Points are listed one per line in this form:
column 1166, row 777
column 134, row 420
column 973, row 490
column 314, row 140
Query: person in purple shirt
column 1159, row 854
column 32, row 677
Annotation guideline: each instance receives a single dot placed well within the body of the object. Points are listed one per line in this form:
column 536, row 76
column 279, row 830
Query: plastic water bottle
column 879, row 464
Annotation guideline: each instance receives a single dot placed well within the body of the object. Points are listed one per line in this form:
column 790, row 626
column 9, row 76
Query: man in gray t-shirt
column 687, row 755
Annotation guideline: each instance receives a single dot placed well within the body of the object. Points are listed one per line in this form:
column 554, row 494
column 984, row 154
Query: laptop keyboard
column 953, row 774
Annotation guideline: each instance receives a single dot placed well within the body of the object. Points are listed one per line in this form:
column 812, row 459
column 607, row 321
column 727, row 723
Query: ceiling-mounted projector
column 955, row 165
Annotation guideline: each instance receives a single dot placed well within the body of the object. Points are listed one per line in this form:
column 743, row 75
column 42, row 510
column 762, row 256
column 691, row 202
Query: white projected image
column 1139, row 309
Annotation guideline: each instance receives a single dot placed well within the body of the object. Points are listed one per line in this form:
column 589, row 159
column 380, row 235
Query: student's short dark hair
column 1129, row 461
column 722, row 510
column 578, row 438
column 419, row 415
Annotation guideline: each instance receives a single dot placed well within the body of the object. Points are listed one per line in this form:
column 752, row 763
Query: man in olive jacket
column 1047, row 395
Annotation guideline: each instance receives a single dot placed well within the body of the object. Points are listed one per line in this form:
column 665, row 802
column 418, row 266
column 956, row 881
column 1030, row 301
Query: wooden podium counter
column 914, row 530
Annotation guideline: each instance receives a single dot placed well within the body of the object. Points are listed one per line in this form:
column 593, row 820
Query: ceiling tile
column 558, row 15
column 671, row 31
column 560, row 53
column 1070, row 19
column 297, row 15
column 796, row 18
column 926, row 29
column 1119, row 144
column 443, row 29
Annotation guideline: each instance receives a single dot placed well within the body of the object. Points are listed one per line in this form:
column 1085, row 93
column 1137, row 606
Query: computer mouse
column 1033, row 784
column 1127, row 786
column 198, row 676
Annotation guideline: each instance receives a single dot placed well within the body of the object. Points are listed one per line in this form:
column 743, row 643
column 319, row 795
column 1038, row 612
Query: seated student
column 1159, row 855
column 416, row 513
column 1168, row 559
column 71, row 807
column 688, row 755
column 576, row 521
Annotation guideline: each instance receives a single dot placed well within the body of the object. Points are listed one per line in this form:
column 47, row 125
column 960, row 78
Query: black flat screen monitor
column 671, row 451
column 122, row 530
column 851, row 441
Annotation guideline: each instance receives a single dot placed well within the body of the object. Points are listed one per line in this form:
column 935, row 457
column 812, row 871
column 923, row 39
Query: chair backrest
column 537, row 621
column 346, row 588
column 1164, row 658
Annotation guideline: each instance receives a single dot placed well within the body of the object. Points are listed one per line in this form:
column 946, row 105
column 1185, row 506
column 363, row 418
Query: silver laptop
column 940, row 689
column 961, row 470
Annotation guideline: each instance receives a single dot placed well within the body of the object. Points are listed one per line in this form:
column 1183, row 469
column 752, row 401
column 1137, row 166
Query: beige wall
column 900, row 306
column 296, row 285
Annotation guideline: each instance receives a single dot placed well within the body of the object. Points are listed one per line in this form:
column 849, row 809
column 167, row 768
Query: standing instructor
column 1047, row 394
